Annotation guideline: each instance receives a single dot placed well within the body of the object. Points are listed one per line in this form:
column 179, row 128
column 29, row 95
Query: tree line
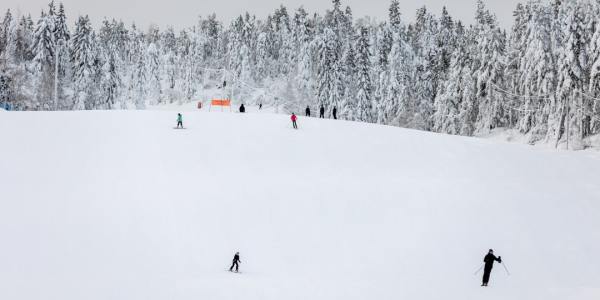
column 540, row 77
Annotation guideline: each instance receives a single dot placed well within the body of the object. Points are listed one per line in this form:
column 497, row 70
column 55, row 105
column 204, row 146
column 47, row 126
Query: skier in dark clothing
column 260, row 106
column 307, row 111
column 489, row 264
column 294, row 118
column 179, row 121
column 322, row 112
column 335, row 113
column 236, row 260
column 242, row 108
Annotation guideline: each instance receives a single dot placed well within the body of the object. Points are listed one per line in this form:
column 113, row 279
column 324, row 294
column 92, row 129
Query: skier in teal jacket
column 179, row 121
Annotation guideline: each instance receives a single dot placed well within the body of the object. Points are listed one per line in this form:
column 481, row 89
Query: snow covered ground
column 118, row 205
column 591, row 143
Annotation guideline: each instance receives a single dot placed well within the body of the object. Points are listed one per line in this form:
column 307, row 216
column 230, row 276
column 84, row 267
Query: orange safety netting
column 220, row 102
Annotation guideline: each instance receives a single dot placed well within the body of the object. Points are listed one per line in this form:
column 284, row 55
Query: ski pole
column 478, row 270
column 505, row 268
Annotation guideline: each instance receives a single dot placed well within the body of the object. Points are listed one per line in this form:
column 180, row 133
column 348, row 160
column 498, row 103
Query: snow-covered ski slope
column 118, row 205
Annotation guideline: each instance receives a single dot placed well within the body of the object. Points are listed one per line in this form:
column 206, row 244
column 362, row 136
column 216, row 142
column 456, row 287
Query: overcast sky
column 184, row 13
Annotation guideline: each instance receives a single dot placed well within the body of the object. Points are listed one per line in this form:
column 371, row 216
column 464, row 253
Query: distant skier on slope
column 260, row 106
column 242, row 108
column 236, row 261
column 307, row 111
column 334, row 113
column 322, row 112
column 489, row 264
column 294, row 118
column 179, row 120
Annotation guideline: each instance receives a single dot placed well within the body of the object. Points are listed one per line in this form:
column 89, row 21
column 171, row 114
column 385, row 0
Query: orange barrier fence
column 220, row 102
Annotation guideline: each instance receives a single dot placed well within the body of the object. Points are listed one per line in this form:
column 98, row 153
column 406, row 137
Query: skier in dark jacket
column 307, row 111
column 179, row 121
column 489, row 264
column 322, row 112
column 236, row 260
column 334, row 113
column 242, row 108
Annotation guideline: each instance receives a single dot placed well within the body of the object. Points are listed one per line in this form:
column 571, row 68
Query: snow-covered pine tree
column 380, row 69
column 327, row 68
column 489, row 65
column 349, row 105
column 83, row 57
column 111, row 83
column 457, row 111
column 185, row 48
column 445, row 40
column 19, row 42
column 395, row 18
column 153, row 84
column 5, row 32
column 399, row 83
column 43, row 42
column 304, row 32
column 572, row 79
column 364, row 94
column 594, row 87
column 61, row 30
column 537, row 80
column 452, row 116
column 6, row 92
column 515, row 53
column 61, row 38
column 139, row 81
column 43, row 50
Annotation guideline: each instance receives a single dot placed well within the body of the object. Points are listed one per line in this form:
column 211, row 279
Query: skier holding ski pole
column 489, row 264
column 236, row 261
column 505, row 268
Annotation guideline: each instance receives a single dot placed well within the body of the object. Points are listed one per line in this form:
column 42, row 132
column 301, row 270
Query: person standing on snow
column 179, row 120
column 334, row 113
column 236, row 261
column 294, row 118
column 322, row 112
column 242, row 108
column 307, row 111
column 489, row 264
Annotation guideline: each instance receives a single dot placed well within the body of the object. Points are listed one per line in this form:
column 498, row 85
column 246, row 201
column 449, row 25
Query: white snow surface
column 119, row 205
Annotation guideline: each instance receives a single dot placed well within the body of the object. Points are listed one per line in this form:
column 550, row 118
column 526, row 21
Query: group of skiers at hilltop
column 293, row 117
column 307, row 113
column 322, row 112
column 243, row 108
column 488, row 261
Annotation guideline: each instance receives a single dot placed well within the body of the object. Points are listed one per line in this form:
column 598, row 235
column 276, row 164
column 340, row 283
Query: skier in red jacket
column 294, row 118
